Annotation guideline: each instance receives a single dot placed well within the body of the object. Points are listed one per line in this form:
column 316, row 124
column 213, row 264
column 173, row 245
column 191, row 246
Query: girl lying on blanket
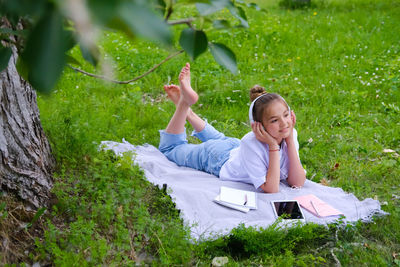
column 262, row 157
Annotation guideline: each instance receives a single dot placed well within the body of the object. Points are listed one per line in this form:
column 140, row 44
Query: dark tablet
column 287, row 209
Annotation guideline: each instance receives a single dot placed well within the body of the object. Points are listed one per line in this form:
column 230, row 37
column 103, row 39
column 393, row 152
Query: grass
column 336, row 63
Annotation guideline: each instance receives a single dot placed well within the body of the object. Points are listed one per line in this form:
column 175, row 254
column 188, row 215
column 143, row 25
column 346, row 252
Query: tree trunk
column 26, row 162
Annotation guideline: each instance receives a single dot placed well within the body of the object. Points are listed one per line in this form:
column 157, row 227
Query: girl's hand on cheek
column 293, row 117
column 262, row 135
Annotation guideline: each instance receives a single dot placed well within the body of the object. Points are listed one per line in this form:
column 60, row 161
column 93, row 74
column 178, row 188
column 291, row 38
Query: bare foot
column 173, row 92
column 188, row 94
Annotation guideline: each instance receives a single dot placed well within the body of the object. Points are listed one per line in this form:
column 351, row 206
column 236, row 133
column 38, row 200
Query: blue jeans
column 209, row 156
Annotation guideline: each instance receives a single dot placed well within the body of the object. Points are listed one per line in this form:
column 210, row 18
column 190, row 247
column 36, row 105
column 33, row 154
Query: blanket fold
column 193, row 192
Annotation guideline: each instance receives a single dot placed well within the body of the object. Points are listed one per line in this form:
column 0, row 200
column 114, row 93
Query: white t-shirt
column 249, row 162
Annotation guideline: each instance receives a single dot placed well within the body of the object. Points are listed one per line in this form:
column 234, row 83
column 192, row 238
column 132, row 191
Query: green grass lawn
column 336, row 63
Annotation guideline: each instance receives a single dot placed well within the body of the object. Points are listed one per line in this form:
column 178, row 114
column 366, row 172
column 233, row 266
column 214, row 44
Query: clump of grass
column 295, row 4
column 245, row 242
column 113, row 215
column 19, row 227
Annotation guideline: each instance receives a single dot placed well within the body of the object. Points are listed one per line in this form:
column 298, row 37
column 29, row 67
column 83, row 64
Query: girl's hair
column 262, row 102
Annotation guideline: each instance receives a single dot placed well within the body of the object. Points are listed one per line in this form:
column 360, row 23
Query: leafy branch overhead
column 44, row 31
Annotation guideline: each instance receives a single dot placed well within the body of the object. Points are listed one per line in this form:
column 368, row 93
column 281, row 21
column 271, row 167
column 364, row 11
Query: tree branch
column 187, row 21
column 128, row 81
column 169, row 11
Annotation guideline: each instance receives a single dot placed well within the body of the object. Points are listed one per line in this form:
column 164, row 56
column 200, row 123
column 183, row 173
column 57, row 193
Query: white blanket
column 193, row 192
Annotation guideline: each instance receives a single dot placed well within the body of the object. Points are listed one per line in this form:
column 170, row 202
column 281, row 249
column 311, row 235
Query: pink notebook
column 316, row 206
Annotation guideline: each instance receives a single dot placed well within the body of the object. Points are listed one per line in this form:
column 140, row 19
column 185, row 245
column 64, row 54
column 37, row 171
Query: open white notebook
column 241, row 200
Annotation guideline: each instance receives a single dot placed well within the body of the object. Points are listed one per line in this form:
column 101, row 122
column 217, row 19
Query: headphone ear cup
column 251, row 119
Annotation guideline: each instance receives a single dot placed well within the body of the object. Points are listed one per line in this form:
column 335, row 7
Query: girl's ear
column 293, row 116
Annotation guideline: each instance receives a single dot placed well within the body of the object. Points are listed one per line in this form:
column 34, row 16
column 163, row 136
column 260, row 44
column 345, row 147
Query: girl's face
column 277, row 120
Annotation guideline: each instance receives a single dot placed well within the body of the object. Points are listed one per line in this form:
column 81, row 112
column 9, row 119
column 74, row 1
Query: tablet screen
column 289, row 209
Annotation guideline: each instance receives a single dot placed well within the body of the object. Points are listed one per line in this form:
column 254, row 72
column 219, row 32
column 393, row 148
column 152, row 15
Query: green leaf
column 90, row 55
column 70, row 40
column 5, row 54
column 239, row 13
column 22, row 68
column 21, row 8
column 212, row 7
column 194, row 42
column 103, row 10
column 254, row 5
column 6, row 31
column 72, row 60
column 36, row 217
column 221, row 24
column 3, row 210
column 160, row 6
column 44, row 54
column 224, row 56
column 118, row 24
column 145, row 23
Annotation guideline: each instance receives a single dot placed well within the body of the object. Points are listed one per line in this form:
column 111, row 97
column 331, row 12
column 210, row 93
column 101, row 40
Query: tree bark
column 26, row 162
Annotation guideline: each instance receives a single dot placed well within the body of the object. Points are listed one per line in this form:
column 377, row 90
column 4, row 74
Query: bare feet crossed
column 173, row 92
column 188, row 94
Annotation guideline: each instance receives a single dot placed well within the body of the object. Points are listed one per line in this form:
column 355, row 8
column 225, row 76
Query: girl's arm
column 296, row 176
column 272, row 179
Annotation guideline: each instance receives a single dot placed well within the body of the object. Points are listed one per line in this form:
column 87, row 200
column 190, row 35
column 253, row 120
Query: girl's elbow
column 299, row 182
column 270, row 190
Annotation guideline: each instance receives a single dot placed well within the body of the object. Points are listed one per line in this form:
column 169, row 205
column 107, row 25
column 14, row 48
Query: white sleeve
column 254, row 160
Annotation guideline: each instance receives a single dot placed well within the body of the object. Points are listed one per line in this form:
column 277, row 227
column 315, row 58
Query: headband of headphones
column 252, row 106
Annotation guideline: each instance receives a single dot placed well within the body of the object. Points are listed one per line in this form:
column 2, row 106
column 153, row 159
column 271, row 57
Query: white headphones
column 252, row 106
column 251, row 109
